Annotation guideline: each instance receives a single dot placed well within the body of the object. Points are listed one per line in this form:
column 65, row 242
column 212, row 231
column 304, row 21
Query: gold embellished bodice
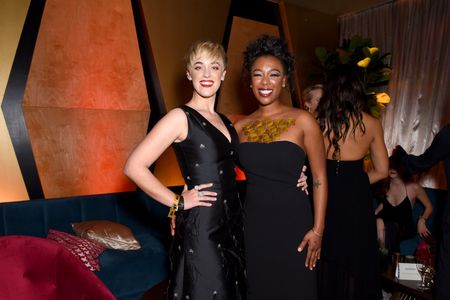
column 267, row 130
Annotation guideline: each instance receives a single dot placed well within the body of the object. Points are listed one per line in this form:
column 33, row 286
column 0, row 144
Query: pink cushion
column 37, row 268
column 86, row 250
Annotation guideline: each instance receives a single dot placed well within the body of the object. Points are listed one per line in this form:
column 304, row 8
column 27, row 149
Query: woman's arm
column 378, row 153
column 439, row 149
column 378, row 209
column 315, row 150
column 422, row 196
column 171, row 128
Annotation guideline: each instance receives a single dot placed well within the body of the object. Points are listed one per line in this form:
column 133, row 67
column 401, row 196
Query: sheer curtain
column 417, row 34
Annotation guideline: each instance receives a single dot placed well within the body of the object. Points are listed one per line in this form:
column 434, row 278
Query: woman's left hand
column 313, row 241
column 422, row 229
column 301, row 182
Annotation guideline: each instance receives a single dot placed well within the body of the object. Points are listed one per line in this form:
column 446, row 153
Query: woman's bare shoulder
column 372, row 124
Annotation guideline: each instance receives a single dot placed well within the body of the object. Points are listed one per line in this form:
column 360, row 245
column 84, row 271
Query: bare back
column 357, row 146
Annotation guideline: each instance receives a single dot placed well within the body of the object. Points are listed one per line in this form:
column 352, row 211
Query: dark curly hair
column 380, row 188
column 269, row 45
column 342, row 105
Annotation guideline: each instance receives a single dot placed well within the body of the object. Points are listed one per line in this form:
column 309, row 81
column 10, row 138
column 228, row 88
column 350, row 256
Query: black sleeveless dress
column 401, row 215
column 277, row 216
column 207, row 252
column 349, row 265
column 398, row 222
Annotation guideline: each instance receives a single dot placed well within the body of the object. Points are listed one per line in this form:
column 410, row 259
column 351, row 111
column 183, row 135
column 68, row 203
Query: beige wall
column 12, row 17
column 310, row 29
column 173, row 25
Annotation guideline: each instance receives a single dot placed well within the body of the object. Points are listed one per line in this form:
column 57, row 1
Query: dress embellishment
column 267, row 130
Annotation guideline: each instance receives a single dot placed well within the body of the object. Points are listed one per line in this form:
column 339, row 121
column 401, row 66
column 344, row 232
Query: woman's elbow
column 128, row 169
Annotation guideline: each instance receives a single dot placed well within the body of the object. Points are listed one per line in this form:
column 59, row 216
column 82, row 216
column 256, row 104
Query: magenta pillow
column 86, row 250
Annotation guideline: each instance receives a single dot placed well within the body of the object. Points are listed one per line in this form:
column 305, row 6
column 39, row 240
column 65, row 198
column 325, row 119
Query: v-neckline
column 217, row 129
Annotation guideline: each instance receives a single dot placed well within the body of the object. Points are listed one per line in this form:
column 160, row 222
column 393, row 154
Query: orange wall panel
column 85, row 102
column 82, row 151
column 87, row 56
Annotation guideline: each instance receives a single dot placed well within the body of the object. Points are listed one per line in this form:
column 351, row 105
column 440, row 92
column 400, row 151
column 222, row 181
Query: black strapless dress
column 207, row 252
column 349, row 265
column 277, row 216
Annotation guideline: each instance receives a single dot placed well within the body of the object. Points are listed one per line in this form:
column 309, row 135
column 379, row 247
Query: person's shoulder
column 369, row 119
column 175, row 114
column 414, row 187
column 303, row 117
column 296, row 113
column 239, row 124
column 372, row 124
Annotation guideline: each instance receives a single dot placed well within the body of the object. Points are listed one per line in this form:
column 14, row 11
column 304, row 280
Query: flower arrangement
column 374, row 70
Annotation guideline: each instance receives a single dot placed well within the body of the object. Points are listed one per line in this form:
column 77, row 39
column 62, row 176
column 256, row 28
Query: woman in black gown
column 349, row 266
column 279, row 221
column 207, row 253
column 397, row 195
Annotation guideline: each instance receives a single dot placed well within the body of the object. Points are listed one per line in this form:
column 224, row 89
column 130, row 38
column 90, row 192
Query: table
column 407, row 287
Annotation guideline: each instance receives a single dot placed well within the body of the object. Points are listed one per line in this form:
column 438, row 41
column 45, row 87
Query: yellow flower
column 383, row 98
column 373, row 50
column 364, row 62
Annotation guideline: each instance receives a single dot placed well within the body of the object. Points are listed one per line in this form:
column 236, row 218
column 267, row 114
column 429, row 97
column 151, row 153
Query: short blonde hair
column 216, row 50
column 306, row 95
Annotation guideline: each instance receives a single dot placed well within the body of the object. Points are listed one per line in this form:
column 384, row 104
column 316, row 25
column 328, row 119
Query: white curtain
column 417, row 34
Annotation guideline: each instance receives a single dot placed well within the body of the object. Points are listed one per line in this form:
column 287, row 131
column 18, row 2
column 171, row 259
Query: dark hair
column 395, row 163
column 342, row 105
column 380, row 188
column 269, row 45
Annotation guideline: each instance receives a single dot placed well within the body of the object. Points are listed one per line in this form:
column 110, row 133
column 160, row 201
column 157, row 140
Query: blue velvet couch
column 128, row 274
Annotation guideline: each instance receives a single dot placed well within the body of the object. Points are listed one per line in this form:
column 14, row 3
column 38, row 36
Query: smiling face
column 268, row 79
column 206, row 73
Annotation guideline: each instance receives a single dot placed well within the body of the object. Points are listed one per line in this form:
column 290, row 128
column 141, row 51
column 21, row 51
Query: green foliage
column 359, row 51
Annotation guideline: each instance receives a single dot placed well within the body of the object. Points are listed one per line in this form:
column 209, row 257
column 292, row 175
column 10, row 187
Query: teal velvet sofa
column 128, row 274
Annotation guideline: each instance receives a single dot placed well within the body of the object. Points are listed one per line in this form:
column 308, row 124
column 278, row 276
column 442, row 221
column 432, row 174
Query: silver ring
column 196, row 188
column 200, row 194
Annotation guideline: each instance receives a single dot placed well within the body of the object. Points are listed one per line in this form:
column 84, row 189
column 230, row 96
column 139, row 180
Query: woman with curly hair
column 282, row 233
column 349, row 268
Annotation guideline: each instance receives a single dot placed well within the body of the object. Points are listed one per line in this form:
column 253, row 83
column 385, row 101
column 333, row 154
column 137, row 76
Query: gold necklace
column 267, row 130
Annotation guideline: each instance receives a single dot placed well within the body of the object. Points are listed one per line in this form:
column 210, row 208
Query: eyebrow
column 272, row 70
column 201, row 63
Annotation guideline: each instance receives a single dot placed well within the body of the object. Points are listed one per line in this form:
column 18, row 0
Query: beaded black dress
column 207, row 252
column 277, row 216
column 349, row 265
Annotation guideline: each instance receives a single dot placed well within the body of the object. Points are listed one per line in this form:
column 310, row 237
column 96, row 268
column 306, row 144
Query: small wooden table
column 391, row 284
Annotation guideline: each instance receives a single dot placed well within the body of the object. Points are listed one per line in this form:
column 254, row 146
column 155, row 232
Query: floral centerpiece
column 372, row 65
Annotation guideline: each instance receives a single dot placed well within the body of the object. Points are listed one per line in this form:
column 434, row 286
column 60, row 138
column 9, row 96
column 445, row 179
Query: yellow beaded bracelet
column 174, row 207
